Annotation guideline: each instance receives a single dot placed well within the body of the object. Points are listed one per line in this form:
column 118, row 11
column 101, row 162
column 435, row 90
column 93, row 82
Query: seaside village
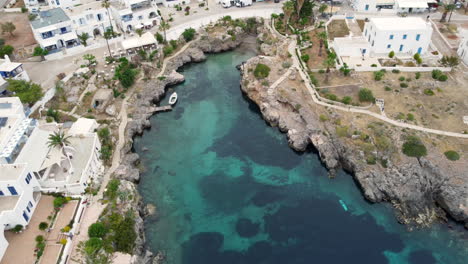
column 47, row 163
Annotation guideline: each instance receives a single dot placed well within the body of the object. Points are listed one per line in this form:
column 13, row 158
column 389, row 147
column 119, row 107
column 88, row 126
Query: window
column 373, row 43
column 418, row 36
column 389, row 46
column 12, row 190
column 25, row 216
column 27, row 208
column 367, row 7
column 30, row 205
column 404, row 36
column 1, row 193
column 28, row 178
column 419, row 50
column 401, row 47
column 363, row 51
column 140, row 17
column 391, row 36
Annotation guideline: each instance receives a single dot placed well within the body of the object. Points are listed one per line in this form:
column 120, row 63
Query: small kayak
column 344, row 205
column 173, row 99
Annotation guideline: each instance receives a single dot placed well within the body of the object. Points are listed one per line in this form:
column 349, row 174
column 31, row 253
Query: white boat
column 173, row 98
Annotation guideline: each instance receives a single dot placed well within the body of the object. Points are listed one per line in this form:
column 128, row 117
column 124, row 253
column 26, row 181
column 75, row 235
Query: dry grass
column 361, row 24
column 337, row 29
column 23, row 35
column 315, row 61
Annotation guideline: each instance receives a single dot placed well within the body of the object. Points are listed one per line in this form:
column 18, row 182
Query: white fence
column 403, row 69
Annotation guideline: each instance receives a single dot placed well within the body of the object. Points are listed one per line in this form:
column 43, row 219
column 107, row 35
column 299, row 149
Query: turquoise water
column 228, row 189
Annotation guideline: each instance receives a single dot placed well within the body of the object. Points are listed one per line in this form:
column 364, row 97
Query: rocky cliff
column 420, row 190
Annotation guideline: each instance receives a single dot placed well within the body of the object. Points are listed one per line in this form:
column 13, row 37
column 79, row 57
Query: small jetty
column 163, row 108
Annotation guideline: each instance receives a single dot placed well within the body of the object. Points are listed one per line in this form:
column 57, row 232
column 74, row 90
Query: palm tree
column 164, row 26
column 106, row 4
column 139, row 31
column 447, row 8
column 322, row 36
column 328, row 63
column 83, row 38
column 58, row 139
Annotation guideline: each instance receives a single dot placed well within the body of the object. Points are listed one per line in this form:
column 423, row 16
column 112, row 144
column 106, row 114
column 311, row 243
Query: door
column 12, row 190
column 410, row 10
column 419, row 50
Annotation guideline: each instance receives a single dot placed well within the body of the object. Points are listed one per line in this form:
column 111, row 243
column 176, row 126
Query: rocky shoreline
column 418, row 188
column 152, row 92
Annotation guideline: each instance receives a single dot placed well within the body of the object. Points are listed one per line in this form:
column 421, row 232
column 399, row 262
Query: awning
column 69, row 36
column 47, row 29
column 413, row 4
column 49, row 42
column 135, row 42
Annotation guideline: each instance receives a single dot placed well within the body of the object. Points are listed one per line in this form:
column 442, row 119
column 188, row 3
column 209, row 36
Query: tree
column 28, row 92
column 261, row 71
column 59, row 201
column 58, row 139
column 345, row 69
column 93, row 245
column 328, row 63
column 90, row 58
column 365, row 95
column 322, row 36
column 447, row 8
column 6, row 50
column 159, row 37
column 83, row 37
column 38, row 51
column 125, row 73
column 164, row 26
column 43, row 226
column 189, row 34
column 417, row 58
column 139, row 31
column 305, row 58
column 449, row 61
column 288, row 9
column 413, row 147
column 322, row 9
column 391, row 54
column 125, row 235
column 97, row 230
column 8, row 27
column 106, row 4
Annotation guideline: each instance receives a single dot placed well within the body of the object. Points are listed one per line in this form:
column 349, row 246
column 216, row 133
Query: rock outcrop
column 417, row 188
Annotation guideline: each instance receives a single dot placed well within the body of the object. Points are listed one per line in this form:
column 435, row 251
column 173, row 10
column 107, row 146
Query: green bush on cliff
column 413, row 147
column 261, row 71
column 452, row 155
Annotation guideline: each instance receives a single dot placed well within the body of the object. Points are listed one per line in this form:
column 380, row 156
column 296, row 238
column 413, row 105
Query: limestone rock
column 110, row 110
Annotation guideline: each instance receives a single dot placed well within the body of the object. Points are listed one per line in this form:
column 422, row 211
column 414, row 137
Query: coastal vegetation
column 28, row 92
column 413, row 147
column 106, row 143
column 261, row 71
column 452, row 155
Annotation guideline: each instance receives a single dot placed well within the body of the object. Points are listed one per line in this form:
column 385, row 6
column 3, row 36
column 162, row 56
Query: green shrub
column 400, row 116
column 346, row 100
column 342, row 131
column 18, row 228
column 442, row 78
column 391, row 54
column 39, row 239
column 378, row 75
column 365, row 95
column 374, row 65
column 410, row 117
column 305, row 58
column 173, row 43
column 59, row 201
column 188, row 34
column 321, row 71
column 261, row 71
column 323, row 118
column 332, row 97
column 159, row 37
column 167, row 50
column 403, row 85
column 112, row 189
column 387, row 88
column 97, row 230
column 396, row 71
column 43, row 226
column 413, row 147
column 371, row 160
column 417, row 75
column 28, row 92
column 125, row 235
column 428, row 92
column 401, row 79
column 436, row 74
column 93, row 245
column 452, row 155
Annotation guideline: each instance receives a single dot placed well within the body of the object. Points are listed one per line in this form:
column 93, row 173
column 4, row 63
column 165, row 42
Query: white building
column 53, row 30
column 19, row 195
column 134, row 14
column 36, row 5
column 64, row 169
column 392, row 6
column 12, row 70
column 171, row 3
column 90, row 17
column 463, row 47
column 403, row 35
column 15, row 128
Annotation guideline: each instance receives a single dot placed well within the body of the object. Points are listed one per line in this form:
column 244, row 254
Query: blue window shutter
column 404, row 36
column 12, row 190
column 401, row 47
column 1, row 193
column 30, row 204
column 418, row 36
column 25, row 216
column 391, row 36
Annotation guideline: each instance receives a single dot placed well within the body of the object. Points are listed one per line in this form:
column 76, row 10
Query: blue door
column 12, row 190
column 419, row 50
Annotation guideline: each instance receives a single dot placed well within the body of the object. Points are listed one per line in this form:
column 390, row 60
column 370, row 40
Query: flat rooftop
column 35, row 150
column 84, row 147
column 8, row 203
column 11, row 172
column 85, row 5
column 399, row 23
column 49, row 17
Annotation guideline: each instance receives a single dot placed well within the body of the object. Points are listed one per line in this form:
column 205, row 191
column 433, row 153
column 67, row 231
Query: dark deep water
column 228, row 189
